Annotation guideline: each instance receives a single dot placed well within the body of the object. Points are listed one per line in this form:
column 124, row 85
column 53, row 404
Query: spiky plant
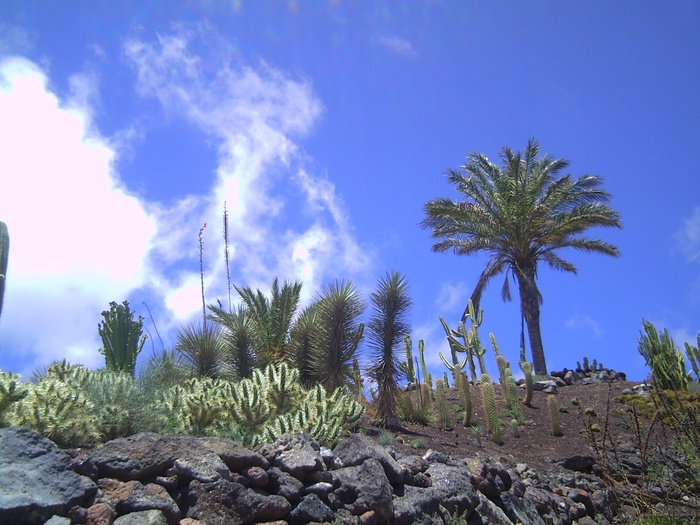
column 512, row 398
column 4, row 254
column 338, row 336
column 529, row 380
column 238, row 336
column 303, row 337
column 161, row 371
column 693, row 353
column 490, row 409
column 12, row 390
column 443, row 409
column 665, row 360
column 201, row 350
column 122, row 338
column 386, row 328
column 271, row 318
column 407, row 367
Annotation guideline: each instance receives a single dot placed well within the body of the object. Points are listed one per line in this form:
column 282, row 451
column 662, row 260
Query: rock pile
column 176, row 480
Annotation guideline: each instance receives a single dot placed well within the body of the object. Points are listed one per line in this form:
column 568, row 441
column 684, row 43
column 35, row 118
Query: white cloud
column 398, row 45
column 254, row 115
column 585, row 322
column 688, row 237
column 452, row 296
column 78, row 239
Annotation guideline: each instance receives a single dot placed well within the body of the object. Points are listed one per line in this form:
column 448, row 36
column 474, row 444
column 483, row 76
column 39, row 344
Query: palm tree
column 521, row 214
column 338, row 336
column 387, row 326
column 272, row 318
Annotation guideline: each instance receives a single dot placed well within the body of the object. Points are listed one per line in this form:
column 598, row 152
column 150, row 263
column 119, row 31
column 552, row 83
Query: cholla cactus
column 59, row 412
column 12, row 390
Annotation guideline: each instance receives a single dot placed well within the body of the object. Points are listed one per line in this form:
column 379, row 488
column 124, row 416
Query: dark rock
column 488, row 513
column 521, row 510
column 296, row 454
column 451, row 488
column 257, row 477
column 206, row 468
column 58, row 520
column 143, row 517
column 147, row 455
column 100, row 514
column 578, row 462
column 310, row 508
column 133, row 496
column 284, row 485
column 36, row 479
column 362, row 488
column 227, row 503
column 357, row 448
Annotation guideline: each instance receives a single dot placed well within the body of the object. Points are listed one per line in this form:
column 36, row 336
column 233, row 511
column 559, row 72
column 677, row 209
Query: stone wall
column 149, row 479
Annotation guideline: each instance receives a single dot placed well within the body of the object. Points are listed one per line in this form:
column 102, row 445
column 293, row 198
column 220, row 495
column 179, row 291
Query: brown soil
column 536, row 446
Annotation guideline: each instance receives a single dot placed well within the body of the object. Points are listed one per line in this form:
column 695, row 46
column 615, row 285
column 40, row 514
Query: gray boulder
column 132, row 496
column 356, row 449
column 228, row 503
column 310, row 509
column 146, row 455
column 143, row 517
column 363, row 488
column 295, row 454
column 36, row 479
column 451, row 488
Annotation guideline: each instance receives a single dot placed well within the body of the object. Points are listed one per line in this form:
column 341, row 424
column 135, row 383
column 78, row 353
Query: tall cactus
column 529, row 380
column 445, row 422
column 4, row 252
column 121, row 338
column 554, row 415
column 407, row 367
column 489, row 399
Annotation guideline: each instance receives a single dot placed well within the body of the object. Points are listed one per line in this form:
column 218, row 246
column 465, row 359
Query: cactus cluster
column 470, row 343
column 665, row 360
column 489, row 399
column 259, row 409
column 122, row 339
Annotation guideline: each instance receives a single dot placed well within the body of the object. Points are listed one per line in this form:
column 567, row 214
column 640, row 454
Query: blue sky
column 325, row 126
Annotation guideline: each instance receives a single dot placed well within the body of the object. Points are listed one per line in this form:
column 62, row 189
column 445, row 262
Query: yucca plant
column 338, row 336
column 202, row 351
column 239, row 338
column 386, row 328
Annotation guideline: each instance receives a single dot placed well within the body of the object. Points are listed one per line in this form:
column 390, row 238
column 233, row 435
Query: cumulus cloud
column 78, row 238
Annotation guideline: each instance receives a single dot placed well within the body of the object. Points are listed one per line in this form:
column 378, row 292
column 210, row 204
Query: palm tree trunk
column 530, row 305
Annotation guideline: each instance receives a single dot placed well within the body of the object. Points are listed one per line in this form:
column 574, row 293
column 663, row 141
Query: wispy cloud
column 688, row 236
column 398, row 45
column 80, row 239
column 283, row 220
column 585, row 322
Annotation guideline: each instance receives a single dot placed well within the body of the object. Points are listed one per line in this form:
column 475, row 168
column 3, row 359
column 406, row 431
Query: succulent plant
column 554, row 415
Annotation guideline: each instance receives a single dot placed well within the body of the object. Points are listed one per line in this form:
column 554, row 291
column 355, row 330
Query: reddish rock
column 100, row 514
column 257, row 477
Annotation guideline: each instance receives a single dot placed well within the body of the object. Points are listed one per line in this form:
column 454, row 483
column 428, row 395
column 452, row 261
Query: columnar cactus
column 515, row 428
column 489, row 399
column 444, row 410
column 554, row 415
column 407, row 366
column 511, row 393
column 529, row 380
column 465, row 397
column 121, row 338
column 4, row 253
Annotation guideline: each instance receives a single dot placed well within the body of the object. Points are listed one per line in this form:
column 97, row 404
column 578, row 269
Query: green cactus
column 121, row 338
column 445, row 422
column 407, row 367
column 12, row 390
column 489, row 400
column 465, row 397
column 446, row 379
column 554, row 415
column 4, row 253
column 515, row 428
column 529, row 380
column 512, row 398
column 693, row 353
column 665, row 360
column 503, row 365
column 424, row 369
column 585, row 363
